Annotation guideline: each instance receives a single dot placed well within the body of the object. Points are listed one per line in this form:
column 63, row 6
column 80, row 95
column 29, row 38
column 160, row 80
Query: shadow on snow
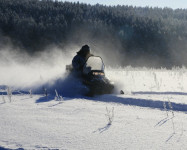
column 159, row 93
column 124, row 100
column 71, row 88
column 45, row 99
column 141, row 102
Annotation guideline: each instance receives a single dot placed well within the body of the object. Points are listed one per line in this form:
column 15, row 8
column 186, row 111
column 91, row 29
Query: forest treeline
column 146, row 36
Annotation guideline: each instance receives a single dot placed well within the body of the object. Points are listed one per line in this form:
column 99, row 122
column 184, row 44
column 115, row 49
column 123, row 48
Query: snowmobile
column 93, row 77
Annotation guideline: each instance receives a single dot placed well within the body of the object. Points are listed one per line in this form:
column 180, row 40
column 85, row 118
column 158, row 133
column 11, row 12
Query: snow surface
column 77, row 122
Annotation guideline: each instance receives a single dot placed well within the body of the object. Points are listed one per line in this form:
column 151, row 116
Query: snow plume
column 20, row 70
column 46, row 69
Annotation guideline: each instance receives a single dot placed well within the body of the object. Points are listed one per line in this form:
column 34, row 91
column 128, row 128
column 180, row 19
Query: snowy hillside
column 152, row 113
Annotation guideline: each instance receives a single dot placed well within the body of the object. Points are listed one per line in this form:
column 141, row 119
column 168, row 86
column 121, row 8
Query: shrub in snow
column 110, row 115
column 3, row 98
column 9, row 94
column 171, row 107
column 157, row 85
column 30, row 93
column 164, row 104
column 45, row 92
column 58, row 97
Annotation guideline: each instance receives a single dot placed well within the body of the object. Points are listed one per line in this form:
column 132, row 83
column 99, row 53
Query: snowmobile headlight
column 95, row 73
column 98, row 73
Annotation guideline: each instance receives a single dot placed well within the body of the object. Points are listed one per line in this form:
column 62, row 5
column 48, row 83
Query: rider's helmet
column 84, row 51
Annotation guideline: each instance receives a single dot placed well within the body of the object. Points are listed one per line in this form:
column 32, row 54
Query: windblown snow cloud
column 21, row 70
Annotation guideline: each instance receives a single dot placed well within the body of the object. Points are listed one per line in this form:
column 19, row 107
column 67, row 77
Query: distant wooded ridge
column 143, row 36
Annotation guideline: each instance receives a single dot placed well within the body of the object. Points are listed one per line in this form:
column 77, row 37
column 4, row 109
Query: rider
column 81, row 57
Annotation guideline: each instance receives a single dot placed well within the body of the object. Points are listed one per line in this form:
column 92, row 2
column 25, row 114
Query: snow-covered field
column 152, row 114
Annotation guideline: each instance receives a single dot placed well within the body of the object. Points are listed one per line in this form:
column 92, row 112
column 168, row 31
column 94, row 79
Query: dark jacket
column 78, row 62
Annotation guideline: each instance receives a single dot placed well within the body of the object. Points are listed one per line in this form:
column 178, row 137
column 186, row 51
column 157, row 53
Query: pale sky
column 151, row 3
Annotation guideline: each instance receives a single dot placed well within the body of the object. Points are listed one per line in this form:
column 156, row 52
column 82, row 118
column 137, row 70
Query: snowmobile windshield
column 94, row 63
